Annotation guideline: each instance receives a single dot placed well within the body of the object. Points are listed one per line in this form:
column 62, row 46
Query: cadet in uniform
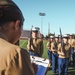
column 71, row 41
column 54, row 48
column 35, row 46
column 49, row 48
column 13, row 59
column 64, row 55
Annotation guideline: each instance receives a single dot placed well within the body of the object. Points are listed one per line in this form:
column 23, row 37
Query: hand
column 35, row 67
column 74, row 50
column 62, row 54
column 29, row 48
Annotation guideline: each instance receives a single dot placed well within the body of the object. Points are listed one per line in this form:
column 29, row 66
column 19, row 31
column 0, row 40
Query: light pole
column 42, row 14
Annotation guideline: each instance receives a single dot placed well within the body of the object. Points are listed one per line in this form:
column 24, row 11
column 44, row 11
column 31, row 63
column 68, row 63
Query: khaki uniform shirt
column 14, row 60
column 71, row 42
column 36, row 46
column 67, row 51
column 54, row 48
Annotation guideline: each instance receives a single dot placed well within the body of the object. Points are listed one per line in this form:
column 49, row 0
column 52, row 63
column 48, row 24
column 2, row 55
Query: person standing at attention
column 35, row 44
column 64, row 51
column 71, row 41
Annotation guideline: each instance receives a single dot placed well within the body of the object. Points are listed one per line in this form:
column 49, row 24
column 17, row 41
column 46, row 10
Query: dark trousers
column 72, row 56
column 50, row 55
column 54, row 62
column 63, row 66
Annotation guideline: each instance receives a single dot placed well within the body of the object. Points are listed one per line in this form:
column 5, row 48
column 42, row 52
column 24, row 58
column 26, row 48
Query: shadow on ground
column 71, row 71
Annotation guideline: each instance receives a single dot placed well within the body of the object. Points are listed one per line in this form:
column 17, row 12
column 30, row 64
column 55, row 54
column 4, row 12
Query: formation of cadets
column 61, row 53
column 60, row 50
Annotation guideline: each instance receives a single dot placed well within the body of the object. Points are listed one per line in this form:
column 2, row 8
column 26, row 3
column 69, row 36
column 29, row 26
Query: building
column 26, row 34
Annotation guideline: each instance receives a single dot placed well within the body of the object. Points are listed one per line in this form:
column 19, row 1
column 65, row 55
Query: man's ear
column 17, row 23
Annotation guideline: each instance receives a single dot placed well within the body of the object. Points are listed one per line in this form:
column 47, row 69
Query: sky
column 59, row 14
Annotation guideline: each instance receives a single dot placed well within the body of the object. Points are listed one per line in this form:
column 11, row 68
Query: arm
column 73, row 43
column 19, row 63
column 15, row 65
column 59, row 49
column 27, row 68
column 48, row 46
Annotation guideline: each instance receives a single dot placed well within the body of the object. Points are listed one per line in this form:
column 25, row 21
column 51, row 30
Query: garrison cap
column 9, row 11
column 35, row 29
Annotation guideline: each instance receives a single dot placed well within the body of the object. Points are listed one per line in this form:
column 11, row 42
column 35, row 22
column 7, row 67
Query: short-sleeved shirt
column 66, row 50
column 71, row 42
column 54, row 47
column 14, row 60
column 36, row 46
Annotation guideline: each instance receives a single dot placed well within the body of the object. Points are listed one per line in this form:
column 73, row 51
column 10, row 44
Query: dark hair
column 9, row 11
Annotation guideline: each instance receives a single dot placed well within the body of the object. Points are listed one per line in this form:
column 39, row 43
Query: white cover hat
column 71, row 34
column 51, row 36
column 34, row 29
column 56, row 36
column 65, row 36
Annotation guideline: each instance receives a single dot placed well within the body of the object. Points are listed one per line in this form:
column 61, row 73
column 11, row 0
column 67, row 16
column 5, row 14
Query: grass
column 71, row 69
column 23, row 44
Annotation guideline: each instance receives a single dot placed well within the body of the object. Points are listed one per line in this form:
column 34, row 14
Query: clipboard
column 42, row 64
